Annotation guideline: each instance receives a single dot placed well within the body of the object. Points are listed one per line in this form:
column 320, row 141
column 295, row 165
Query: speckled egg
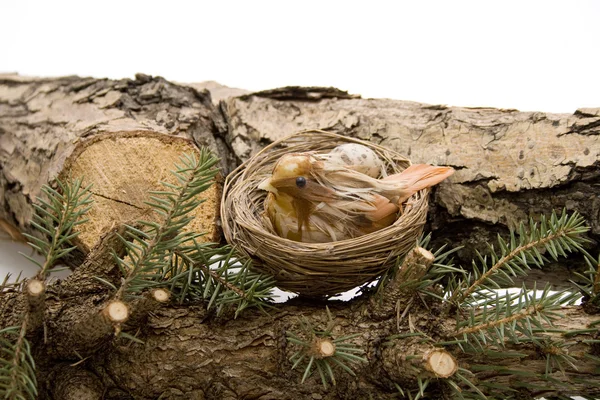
column 359, row 158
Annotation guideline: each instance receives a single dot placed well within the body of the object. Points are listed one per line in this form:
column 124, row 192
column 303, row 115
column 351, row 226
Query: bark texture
column 189, row 353
column 43, row 120
column 510, row 165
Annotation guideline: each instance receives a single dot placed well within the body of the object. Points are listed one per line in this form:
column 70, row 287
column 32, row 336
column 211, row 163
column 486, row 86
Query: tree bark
column 510, row 165
column 188, row 352
column 121, row 136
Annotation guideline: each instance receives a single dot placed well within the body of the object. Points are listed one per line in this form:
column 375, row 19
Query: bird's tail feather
column 418, row 177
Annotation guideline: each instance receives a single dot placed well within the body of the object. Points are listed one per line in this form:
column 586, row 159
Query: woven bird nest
column 314, row 269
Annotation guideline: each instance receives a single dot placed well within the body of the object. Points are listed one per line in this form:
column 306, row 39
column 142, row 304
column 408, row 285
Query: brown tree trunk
column 121, row 136
column 510, row 165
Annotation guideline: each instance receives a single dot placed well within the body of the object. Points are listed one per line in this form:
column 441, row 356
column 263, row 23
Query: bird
column 325, row 197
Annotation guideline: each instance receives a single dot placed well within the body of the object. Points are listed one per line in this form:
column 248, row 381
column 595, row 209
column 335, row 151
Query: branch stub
column 35, row 287
column 441, row 363
column 161, row 295
column 325, row 348
column 117, row 312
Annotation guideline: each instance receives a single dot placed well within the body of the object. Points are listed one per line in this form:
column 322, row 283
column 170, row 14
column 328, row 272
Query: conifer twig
column 165, row 255
column 221, row 276
column 557, row 236
column 55, row 218
column 17, row 368
column 526, row 313
column 150, row 249
column 325, row 353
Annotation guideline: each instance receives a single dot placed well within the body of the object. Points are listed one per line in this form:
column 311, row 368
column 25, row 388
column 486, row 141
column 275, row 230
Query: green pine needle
column 591, row 280
column 512, row 317
column 556, row 235
column 17, row 368
column 55, row 217
column 150, row 249
column 345, row 354
column 221, row 277
column 162, row 254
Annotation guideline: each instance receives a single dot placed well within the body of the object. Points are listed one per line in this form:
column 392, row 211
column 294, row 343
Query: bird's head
column 295, row 175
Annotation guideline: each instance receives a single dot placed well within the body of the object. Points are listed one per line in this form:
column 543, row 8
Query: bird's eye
column 300, row 181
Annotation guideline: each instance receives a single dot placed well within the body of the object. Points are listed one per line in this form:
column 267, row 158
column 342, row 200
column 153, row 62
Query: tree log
column 190, row 353
column 121, row 136
column 510, row 166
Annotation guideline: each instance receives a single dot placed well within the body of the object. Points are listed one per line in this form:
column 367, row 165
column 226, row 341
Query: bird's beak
column 266, row 185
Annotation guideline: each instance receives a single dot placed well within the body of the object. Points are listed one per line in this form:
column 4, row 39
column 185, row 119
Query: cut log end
column 123, row 168
column 441, row 363
column 117, row 312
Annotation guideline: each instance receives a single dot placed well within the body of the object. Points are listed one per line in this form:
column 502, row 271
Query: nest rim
column 314, row 269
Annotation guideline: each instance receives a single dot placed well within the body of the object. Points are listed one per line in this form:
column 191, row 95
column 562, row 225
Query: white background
column 529, row 55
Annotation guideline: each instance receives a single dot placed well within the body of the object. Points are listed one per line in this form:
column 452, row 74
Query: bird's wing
column 383, row 209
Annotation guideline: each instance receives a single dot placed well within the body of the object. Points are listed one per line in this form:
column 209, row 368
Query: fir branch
column 149, row 250
column 163, row 255
column 508, row 319
column 17, row 368
column 512, row 317
column 557, row 236
column 223, row 281
column 324, row 352
column 222, row 277
column 591, row 278
column 55, row 218
column 5, row 285
column 442, row 267
column 557, row 356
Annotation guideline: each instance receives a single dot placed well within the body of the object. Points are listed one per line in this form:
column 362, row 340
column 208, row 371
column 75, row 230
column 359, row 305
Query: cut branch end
column 324, row 348
column 35, row 288
column 415, row 265
column 117, row 312
column 441, row 363
column 161, row 295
